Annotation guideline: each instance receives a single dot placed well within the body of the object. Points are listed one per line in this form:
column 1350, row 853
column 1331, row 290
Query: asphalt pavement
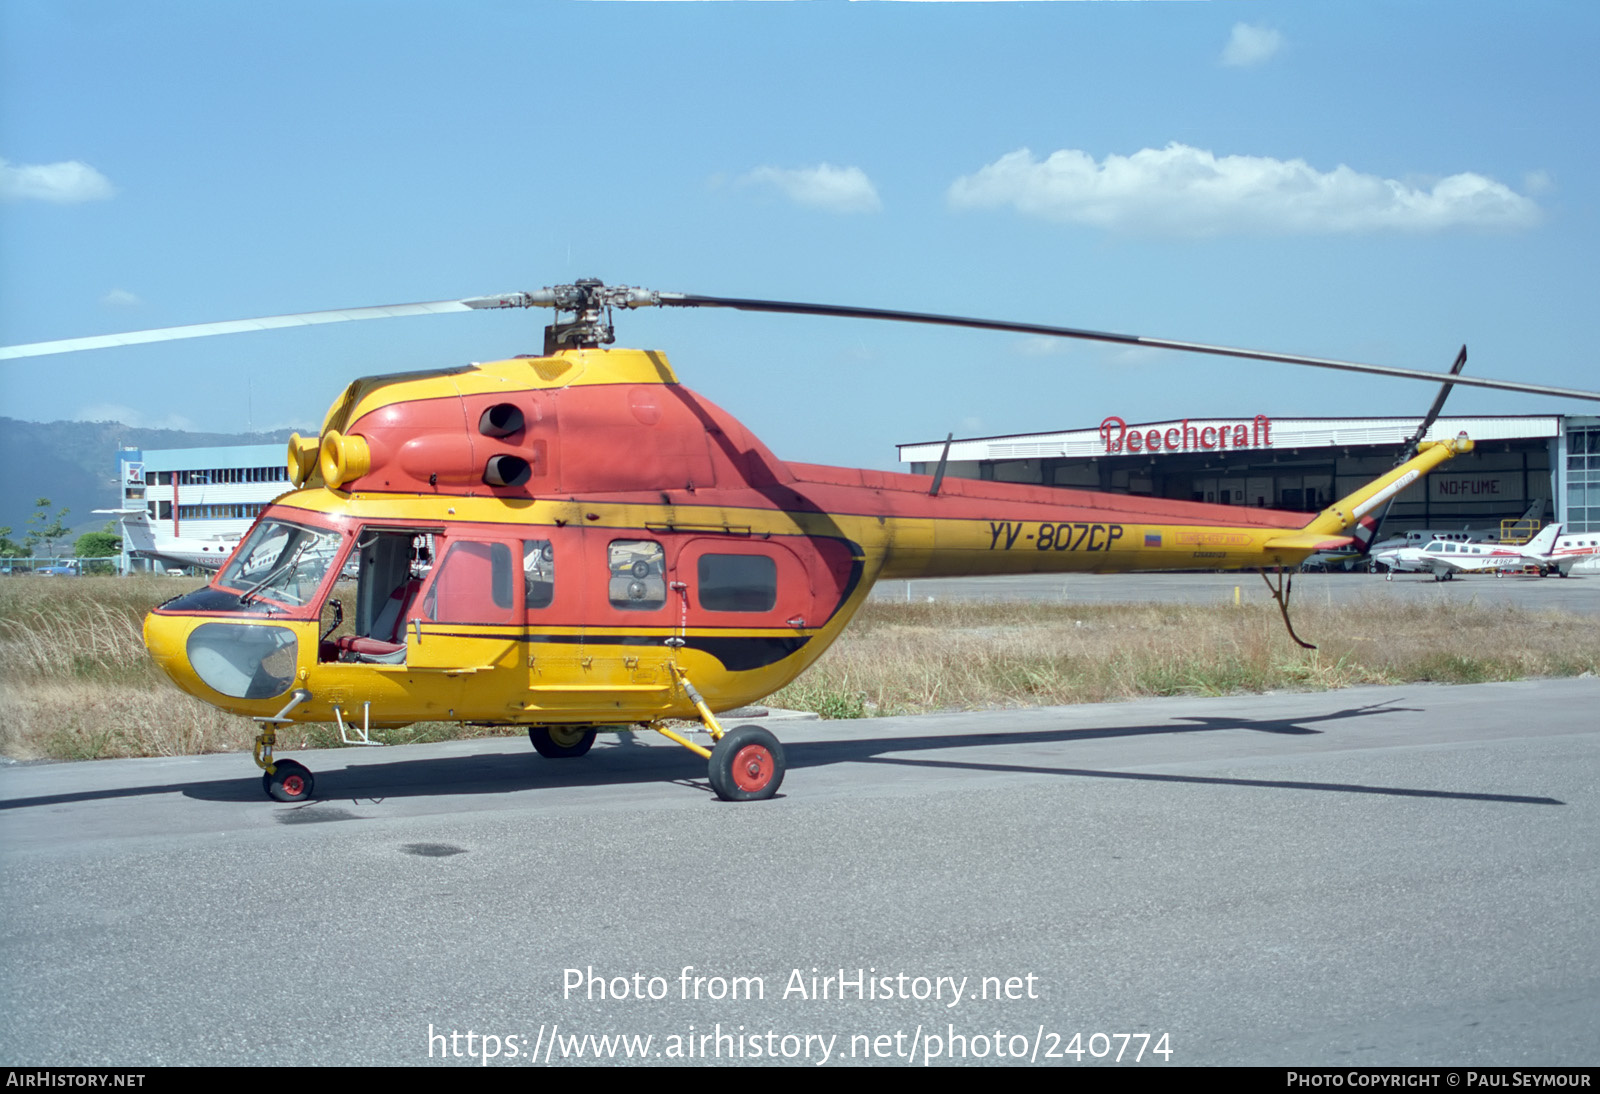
column 1396, row 875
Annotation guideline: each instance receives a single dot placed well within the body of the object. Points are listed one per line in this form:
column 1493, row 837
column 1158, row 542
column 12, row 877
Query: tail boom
column 974, row 528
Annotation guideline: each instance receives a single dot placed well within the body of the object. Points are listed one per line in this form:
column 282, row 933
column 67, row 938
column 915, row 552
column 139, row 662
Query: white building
column 189, row 505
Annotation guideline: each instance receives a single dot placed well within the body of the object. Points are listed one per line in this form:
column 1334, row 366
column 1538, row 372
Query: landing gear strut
column 744, row 765
column 283, row 780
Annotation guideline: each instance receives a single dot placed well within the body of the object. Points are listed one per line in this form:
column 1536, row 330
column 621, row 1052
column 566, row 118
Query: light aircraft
column 1567, row 551
column 1524, row 527
column 576, row 542
column 1445, row 558
column 143, row 541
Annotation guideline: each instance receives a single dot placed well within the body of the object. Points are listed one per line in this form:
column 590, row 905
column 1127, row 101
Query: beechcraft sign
column 1186, row 436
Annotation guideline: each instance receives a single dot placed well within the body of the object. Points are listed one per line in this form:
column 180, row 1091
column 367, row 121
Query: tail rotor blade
column 1438, row 405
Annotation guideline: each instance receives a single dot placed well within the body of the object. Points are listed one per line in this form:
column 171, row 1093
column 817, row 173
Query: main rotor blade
column 269, row 322
column 591, row 296
column 689, row 300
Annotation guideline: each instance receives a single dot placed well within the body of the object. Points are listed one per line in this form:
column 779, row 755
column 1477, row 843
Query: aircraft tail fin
column 1545, row 542
column 137, row 534
column 1365, row 531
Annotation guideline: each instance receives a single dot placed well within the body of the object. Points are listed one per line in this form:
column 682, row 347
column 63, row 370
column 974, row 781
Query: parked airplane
column 143, row 541
column 1569, row 550
column 1524, row 526
column 1444, row 558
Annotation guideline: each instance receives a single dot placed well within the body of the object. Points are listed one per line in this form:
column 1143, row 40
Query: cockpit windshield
column 282, row 562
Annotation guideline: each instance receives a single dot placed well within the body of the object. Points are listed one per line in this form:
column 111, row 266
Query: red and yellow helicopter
column 575, row 542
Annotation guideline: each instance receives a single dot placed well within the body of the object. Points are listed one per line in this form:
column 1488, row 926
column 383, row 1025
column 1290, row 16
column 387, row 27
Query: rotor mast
column 588, row 299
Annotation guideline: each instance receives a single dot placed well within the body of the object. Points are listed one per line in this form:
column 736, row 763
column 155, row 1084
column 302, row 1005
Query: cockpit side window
column 282, row 562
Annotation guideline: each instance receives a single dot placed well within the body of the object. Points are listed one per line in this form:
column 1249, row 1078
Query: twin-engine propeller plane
column 1549, row 552
column 575, row 542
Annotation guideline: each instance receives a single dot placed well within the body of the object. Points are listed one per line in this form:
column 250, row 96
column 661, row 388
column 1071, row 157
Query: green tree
column 97, row 545
column 10, row 548
column 41, row 529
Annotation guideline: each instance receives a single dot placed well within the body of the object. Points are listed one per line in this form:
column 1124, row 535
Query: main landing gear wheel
column 561, row 742
column 747, row 765
column 291, row 782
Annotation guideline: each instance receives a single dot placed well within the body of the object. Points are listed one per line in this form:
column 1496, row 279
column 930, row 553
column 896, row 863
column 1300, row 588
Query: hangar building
column 1305, row 464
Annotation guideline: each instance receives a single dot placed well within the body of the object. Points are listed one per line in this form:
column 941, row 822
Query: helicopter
column 576, row 543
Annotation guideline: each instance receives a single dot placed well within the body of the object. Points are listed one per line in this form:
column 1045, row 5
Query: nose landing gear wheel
column 747, row 765
column 561, row 742
column 291, row 782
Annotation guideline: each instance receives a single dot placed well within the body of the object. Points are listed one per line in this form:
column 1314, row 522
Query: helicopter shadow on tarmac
column 624, row 761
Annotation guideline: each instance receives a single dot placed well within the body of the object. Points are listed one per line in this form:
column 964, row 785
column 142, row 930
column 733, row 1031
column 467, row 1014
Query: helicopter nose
column 211, row 659
column 163, row 637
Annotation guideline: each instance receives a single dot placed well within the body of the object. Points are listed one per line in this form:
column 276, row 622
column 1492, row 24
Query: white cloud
column 836, row 189
column 63, row 183
column 1249, row 46
column 1183, row 191
column 120, row 298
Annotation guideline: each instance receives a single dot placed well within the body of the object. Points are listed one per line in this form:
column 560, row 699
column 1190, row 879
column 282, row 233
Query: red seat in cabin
column 387, row 642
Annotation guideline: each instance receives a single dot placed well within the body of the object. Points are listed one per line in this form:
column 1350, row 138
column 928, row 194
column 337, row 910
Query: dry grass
column 75, row 682
column 913, row 658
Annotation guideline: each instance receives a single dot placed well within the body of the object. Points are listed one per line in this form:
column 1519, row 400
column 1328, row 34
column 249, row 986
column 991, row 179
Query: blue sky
column 1372, row 181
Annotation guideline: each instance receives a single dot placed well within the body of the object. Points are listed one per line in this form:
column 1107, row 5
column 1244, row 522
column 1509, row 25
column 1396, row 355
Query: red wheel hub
column 294, row 785
column 752, row 768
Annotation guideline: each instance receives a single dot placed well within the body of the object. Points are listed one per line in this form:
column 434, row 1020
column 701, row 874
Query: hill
column 74, row 464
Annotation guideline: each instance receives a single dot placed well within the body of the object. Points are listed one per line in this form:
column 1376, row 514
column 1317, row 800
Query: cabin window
column 637, row 580
column 738, row 583
column 538, row 572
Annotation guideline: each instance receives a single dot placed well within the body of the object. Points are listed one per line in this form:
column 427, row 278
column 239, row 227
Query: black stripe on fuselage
column 737, row 654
